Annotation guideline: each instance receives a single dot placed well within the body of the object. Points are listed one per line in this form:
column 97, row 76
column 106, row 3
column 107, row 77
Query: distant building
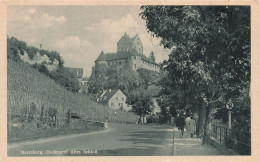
column 129, row 56
column 78, row 73
column 115, row 99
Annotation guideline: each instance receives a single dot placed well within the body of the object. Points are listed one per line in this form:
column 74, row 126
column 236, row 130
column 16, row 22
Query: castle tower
column 127, row 44
column 137, row 44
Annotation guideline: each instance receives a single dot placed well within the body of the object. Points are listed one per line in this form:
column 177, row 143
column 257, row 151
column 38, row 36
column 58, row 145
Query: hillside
column 38, row 106
column 26, row 86
column 47, row 62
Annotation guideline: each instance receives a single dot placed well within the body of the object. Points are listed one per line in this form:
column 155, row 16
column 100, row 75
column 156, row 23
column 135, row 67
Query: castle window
column 135, row 66
column 120, row 62
column 123, row 98
column 116, row 98
column 134, row 57
column 112, row 103
column 125, row 60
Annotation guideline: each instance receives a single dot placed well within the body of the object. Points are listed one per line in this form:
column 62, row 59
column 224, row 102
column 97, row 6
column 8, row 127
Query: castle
column 129, row 56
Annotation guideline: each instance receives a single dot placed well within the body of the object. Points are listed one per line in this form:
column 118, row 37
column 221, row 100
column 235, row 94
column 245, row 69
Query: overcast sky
column 80, row 33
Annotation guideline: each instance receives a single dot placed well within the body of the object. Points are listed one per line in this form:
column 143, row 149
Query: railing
column 229, row 138
column 219, row 133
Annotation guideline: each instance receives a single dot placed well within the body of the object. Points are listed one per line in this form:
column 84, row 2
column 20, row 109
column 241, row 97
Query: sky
column 80, row 33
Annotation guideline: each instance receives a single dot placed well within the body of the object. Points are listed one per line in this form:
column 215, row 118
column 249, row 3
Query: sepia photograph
column 128, row 80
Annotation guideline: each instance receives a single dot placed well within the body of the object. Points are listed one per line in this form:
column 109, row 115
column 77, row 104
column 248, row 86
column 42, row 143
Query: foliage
column 141, row 103
column 148, row 76
column 14, row 46
column 66, row 79
column 52, row 117
column 42, row 114
column 210, row 59
column 61, row 76
column 68, row 117
column 108, row 77
column 32, row 112
column 27, row 113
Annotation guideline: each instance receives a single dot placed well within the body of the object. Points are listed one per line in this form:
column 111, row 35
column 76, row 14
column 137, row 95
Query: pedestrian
column 178, row 121
column 192, row 127
column 182, row 123
column 187, row 123
column 106, row 123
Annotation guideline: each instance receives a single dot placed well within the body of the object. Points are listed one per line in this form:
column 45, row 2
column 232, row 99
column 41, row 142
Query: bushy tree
column 210, row 59
column 141, row 103
column 105, row 77
column 148, row 76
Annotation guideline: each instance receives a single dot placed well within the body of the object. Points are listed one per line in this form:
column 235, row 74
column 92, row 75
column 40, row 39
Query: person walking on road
column 187, row 124
column 177, row 120
column 181, row 123
column 192, row 126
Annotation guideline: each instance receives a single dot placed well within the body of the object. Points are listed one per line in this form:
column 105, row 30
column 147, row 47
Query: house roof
column 122, row 55
column 78, row 72
column 107, row 95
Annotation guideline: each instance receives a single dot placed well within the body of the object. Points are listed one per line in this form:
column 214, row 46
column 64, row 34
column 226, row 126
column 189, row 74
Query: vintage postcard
column 129, row 81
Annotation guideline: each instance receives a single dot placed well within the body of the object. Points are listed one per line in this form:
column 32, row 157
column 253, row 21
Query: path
column 119, row 140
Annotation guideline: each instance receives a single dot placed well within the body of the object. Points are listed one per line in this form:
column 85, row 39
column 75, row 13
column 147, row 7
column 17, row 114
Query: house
column 129, row 56
column 115, row 99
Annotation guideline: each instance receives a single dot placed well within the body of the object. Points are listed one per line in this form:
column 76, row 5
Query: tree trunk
column 207, row 130
column 202, row 118
column 206, row 134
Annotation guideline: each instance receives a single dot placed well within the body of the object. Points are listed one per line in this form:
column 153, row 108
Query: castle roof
column 122, row 55
column 125, row 39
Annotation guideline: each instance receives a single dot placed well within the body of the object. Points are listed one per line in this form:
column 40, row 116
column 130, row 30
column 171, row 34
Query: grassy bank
column 39, row 107
column 23, row 135
column 30, row 132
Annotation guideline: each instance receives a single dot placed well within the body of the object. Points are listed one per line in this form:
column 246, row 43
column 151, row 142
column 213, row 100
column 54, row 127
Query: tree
column 147, row 76
column 141, row 104
column 152, row 56
column 210, row 60
column 105, row 77
column 129, row 81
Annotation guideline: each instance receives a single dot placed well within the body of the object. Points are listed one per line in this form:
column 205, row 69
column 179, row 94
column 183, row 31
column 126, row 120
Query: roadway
column 117, row 140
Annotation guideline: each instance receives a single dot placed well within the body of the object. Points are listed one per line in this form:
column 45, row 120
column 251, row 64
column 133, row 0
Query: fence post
column 220, row 134
column 226, row 136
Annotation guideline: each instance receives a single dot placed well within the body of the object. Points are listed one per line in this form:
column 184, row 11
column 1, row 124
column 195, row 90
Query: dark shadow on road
column 148, row 138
